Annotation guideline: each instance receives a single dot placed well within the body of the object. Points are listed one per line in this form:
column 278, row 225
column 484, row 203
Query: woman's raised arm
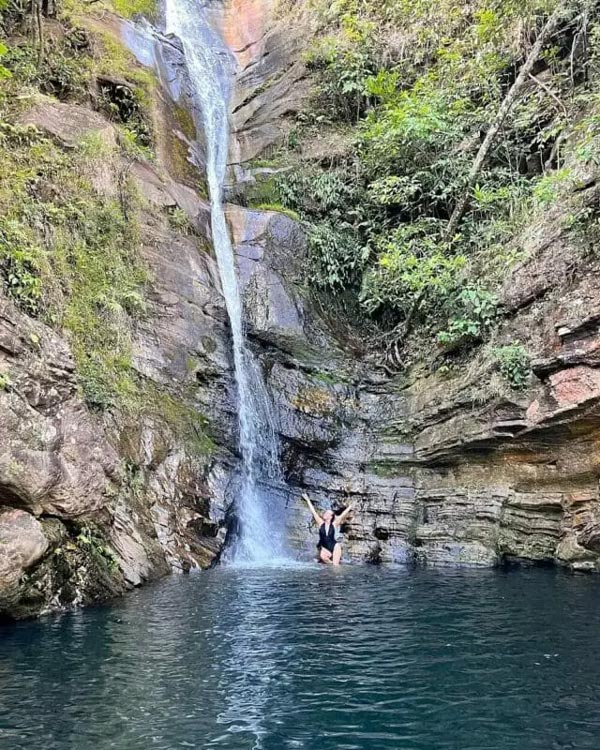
column 344, row 515
column 311, row 507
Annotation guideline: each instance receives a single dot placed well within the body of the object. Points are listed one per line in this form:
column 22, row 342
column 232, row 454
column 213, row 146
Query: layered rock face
column 441, row 469
column 444, row 469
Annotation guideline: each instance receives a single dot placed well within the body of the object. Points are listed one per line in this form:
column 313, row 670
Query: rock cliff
column 443, row 467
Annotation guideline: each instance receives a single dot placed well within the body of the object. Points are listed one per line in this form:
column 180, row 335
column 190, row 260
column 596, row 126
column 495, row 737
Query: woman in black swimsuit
column 330, row 549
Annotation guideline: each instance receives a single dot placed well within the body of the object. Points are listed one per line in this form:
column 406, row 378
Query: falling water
column 210, row 67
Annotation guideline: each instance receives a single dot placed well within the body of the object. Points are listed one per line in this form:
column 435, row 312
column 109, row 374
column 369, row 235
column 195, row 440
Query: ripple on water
column 314, row 658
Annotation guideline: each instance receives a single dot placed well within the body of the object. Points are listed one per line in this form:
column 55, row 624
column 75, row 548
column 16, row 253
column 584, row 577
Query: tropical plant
column 513, row 364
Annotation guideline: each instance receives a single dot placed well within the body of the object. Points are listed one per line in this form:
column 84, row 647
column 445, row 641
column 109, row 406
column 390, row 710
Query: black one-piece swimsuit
column 327, row 538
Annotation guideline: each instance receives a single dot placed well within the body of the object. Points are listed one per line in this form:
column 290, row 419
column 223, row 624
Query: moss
column 132, row 8
column 125, row 8
column 279, row 209
column 181, row 166
column 184, row 120
column 70, row 255
column 330, row 378
column 114, row 59
column 263, row 162
column 106, row 292
column 264, row 192
column 185, row 421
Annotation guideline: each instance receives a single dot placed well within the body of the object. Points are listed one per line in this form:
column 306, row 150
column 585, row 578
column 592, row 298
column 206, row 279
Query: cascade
column 210, row 67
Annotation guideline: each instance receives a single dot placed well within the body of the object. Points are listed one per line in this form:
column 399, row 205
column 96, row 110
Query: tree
column 559, row 15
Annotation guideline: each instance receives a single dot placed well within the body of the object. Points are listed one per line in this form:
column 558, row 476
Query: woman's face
column 328, row 516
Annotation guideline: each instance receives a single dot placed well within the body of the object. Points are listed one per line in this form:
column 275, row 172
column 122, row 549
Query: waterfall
column 210, row 68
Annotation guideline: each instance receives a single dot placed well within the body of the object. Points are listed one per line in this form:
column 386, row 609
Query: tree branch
column 549, row 28
column 549, row 91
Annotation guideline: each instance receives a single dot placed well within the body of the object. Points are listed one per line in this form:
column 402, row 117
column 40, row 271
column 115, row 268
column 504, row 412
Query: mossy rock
column 78, row 569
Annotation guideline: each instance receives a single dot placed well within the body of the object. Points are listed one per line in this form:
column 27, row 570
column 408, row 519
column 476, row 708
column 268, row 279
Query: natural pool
column 316, row 658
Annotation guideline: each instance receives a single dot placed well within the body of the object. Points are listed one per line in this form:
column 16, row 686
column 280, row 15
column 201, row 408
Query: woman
column 330, row 549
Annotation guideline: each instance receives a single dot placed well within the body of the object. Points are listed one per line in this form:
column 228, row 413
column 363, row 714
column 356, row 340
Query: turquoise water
column 357, row 658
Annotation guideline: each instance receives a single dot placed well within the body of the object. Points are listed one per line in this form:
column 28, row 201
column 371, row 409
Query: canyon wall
column 445, row 467
column 441, row 467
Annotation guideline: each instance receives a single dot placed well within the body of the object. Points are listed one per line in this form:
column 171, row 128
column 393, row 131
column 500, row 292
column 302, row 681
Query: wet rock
column 22, row 544
column 269, row 248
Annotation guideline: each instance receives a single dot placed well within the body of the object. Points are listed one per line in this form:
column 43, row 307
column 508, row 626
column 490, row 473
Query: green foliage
column 547, row 188
column 4, row 72
column 20, row 266
column 128, row 104
column 93, row 541
column 179, row 220
column 334, row 255
column 135, row 143
column 513, row 364
column 187, row 423
column 413, row 264
column 95, row 146
column 346, row 64
column 69, row 255
column 106, row 284
column 316, row 193
column 132, row 8
column 472, row 313
column 69, row 243
column 413, row 86
column 63, row 71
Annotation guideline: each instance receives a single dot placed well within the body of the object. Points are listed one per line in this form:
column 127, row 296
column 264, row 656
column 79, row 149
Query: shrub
column 381, row 213
column 4, row 72
column 335, row 255
column 413, row 263
column 513, row 364
column 472, row 313
column 63, row 71
column 20, row 266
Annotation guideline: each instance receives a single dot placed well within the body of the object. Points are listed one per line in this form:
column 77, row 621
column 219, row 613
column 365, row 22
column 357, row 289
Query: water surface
column 314, row 658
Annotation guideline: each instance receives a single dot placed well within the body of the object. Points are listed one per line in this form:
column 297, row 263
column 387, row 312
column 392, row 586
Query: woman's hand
column 347, row 513
column 311, row 507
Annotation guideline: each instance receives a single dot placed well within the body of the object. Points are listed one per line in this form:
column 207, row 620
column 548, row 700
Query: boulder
column 22, row 544
column 69, row 124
